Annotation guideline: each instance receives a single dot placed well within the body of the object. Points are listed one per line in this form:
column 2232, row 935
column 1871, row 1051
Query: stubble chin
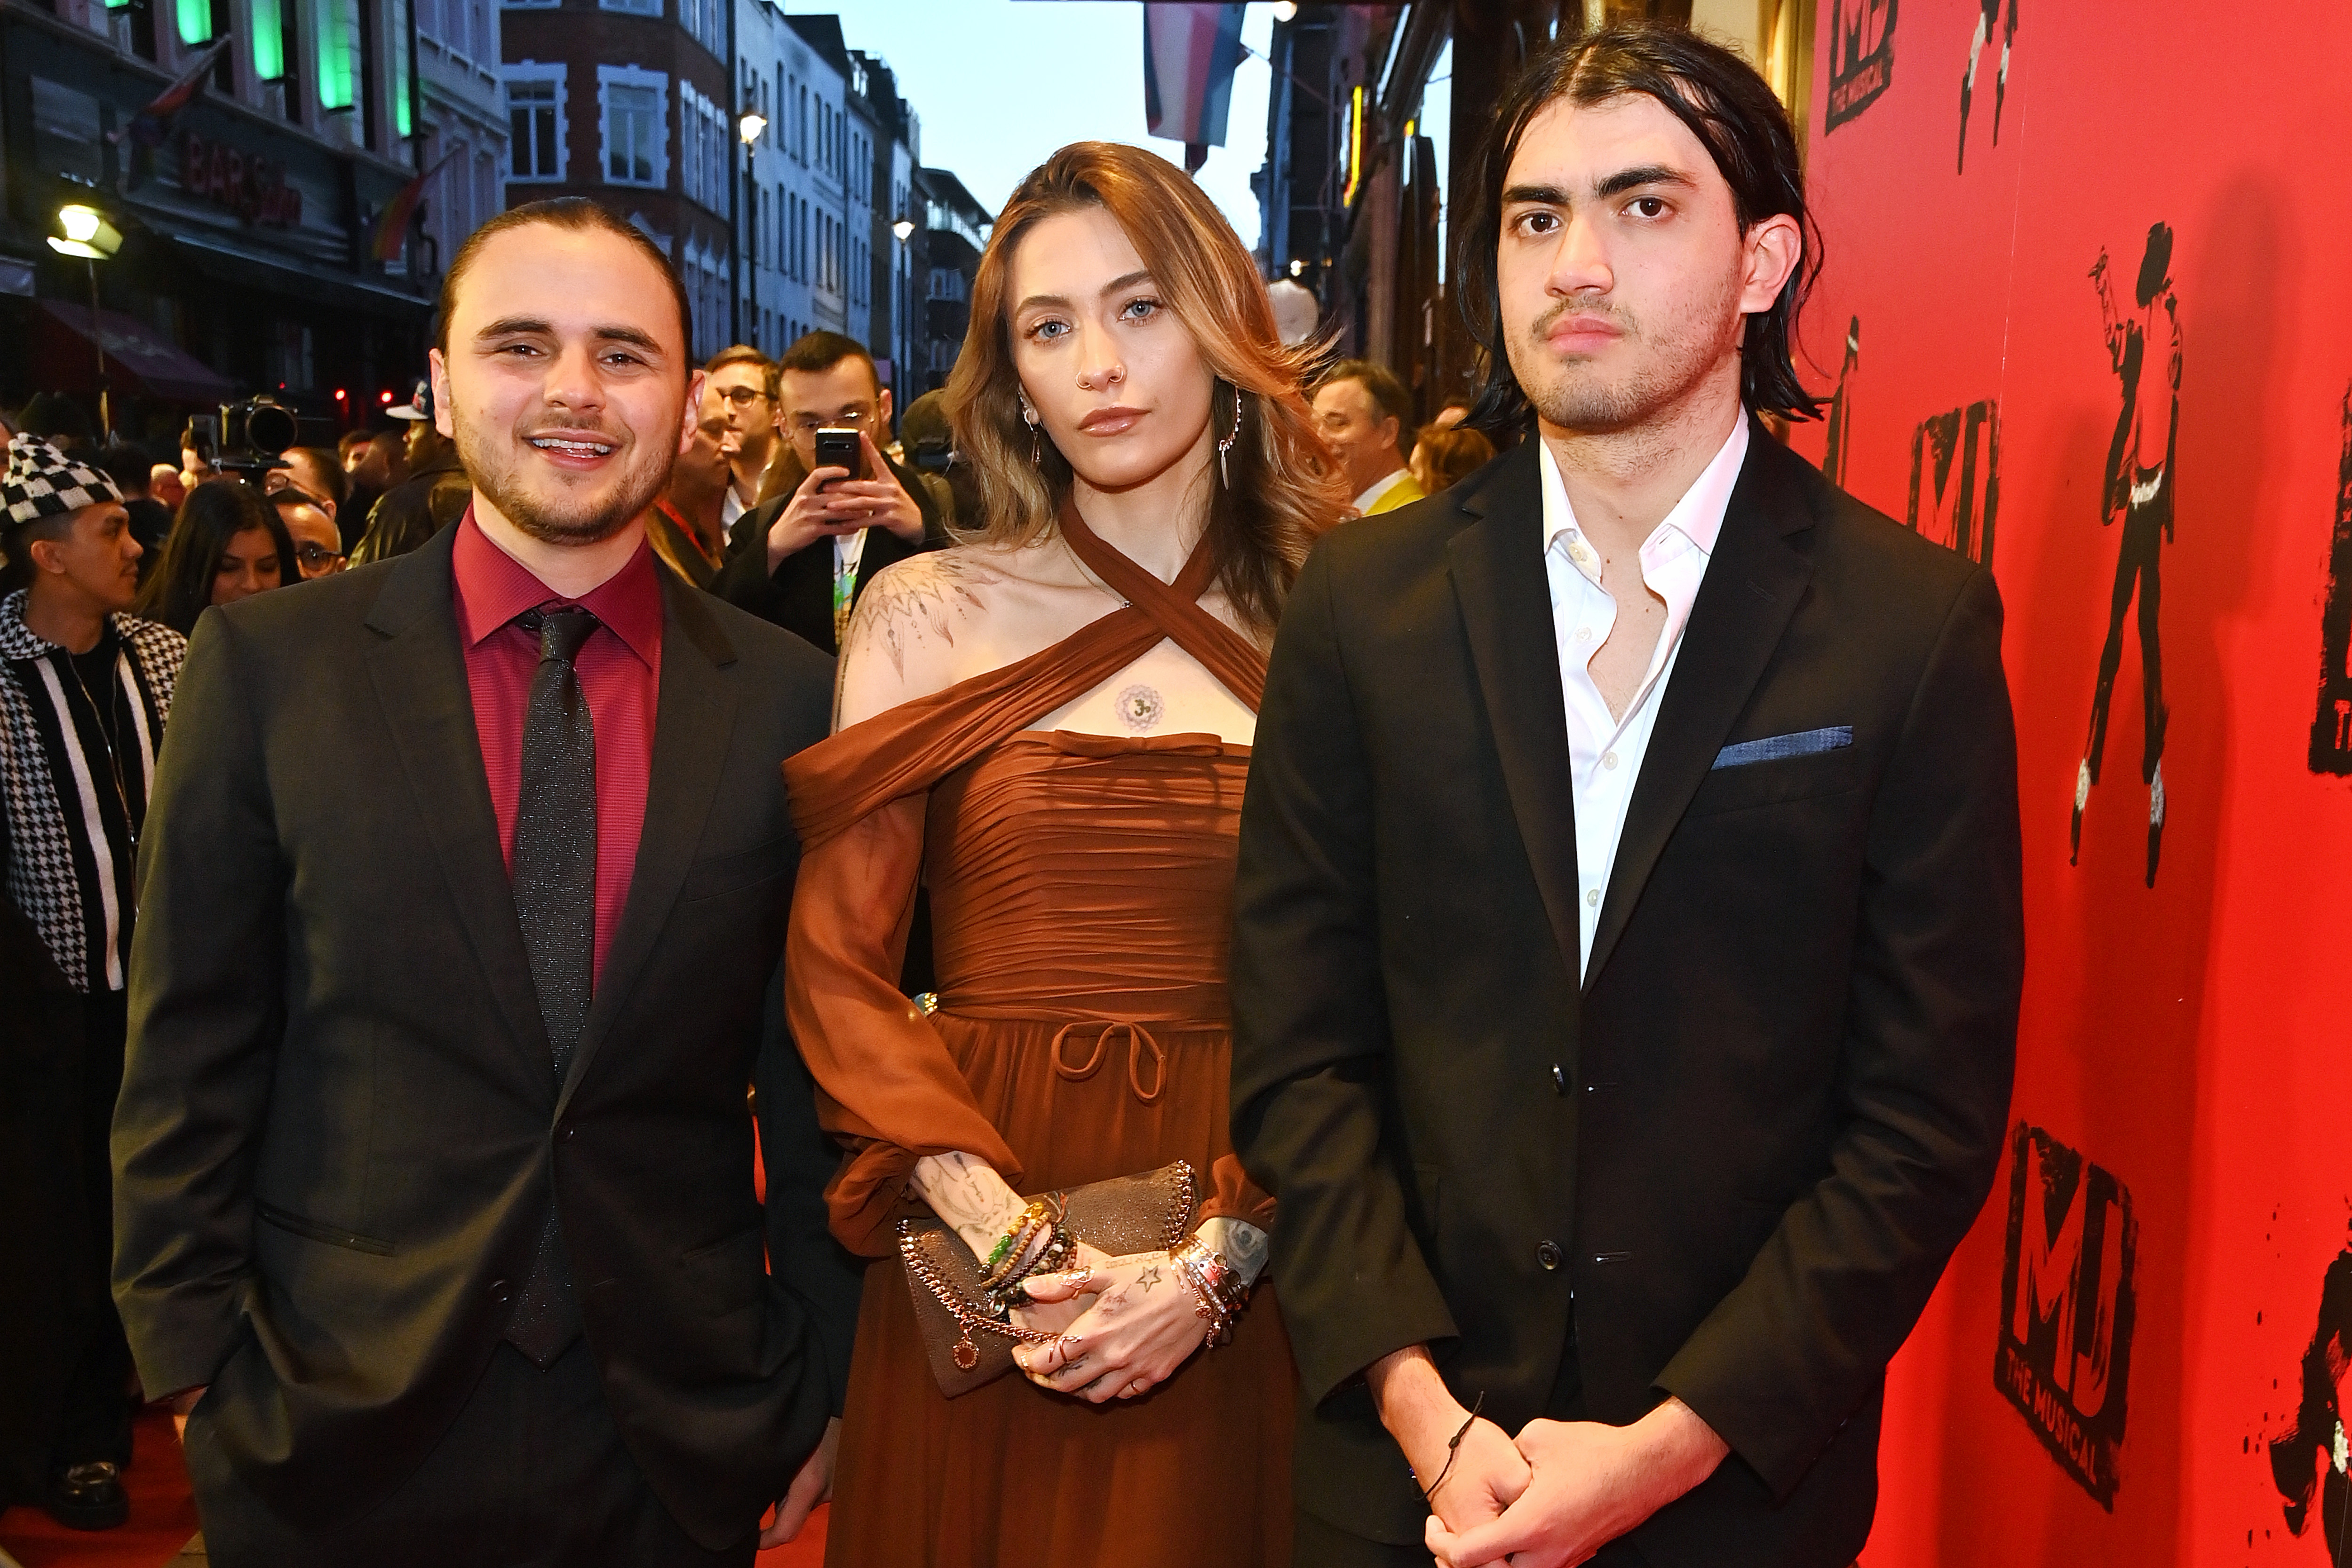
column 551, row 514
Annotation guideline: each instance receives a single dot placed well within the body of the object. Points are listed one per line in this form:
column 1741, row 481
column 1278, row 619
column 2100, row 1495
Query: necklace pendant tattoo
column 1139, row 708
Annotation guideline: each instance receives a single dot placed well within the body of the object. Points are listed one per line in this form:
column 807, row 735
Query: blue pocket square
column 1775, row 747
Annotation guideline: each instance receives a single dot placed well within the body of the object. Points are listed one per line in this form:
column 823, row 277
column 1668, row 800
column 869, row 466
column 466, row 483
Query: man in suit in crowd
column 1626, row 970
column 435, row 1172
column 739, row 390
column 1365, row 417
column 803, row 557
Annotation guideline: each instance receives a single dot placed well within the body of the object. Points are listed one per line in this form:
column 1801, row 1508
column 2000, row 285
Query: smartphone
column 840, row 448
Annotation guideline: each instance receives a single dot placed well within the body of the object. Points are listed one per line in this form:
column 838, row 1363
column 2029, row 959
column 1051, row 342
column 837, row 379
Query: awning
column 228, row 263
column 136, row 361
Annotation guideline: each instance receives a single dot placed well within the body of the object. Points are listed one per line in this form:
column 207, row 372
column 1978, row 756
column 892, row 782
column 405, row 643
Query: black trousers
column 1316, row 1544
column 533, row 1474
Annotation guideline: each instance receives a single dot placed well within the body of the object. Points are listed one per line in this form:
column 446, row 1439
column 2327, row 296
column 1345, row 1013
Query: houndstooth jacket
column 41, row 881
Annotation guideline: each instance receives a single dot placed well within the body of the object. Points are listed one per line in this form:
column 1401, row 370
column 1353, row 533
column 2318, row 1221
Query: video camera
column 247, row 438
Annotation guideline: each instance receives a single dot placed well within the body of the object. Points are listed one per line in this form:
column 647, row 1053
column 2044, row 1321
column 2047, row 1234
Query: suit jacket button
column 1547, row 1254
column 501, row 1293
column 569, row 1134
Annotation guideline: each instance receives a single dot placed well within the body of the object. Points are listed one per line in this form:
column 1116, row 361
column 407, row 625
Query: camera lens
column 270, row 428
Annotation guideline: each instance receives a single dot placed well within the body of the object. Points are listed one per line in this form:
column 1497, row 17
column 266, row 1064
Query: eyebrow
column 525, row 326
column 1611, row 185
column 1142, row 275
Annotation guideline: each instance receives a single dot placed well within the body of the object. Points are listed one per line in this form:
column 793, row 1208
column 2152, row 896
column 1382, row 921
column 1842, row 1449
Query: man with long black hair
column 1626, row 968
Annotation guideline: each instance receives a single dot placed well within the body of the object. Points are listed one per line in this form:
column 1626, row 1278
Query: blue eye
column 1138, row 308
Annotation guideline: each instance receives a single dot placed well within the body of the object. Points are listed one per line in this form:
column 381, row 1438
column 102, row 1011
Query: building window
column 634, row 7
column 637, row 141
column 535, row 120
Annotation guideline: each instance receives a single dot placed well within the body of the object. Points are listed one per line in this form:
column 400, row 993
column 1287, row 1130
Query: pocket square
column 1775, row 747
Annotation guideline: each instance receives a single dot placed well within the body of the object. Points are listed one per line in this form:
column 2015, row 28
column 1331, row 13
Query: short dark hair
column 1734, row 114
column 579, row 214
column 745, row 354
column 813, row 353
column 331, row 467
column 1380, row 383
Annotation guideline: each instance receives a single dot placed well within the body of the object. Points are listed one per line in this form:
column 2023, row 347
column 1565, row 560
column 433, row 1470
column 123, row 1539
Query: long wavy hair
column 1286, row 489
column 216, row 512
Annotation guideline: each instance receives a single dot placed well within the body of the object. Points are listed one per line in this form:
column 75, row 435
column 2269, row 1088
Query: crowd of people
column 1308, row 989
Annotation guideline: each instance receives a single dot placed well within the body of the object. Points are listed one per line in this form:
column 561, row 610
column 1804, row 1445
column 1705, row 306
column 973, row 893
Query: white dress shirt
column 1604, row 751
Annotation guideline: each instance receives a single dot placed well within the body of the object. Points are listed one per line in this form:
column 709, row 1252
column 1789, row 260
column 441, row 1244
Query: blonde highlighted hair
column 1285, row 488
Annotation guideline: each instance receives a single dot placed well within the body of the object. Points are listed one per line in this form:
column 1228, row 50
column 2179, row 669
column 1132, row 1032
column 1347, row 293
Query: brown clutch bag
column 967, row 1345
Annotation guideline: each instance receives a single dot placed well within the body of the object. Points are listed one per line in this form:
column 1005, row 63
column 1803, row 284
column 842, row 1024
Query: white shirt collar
column 1379, row 487
column 1698, row 516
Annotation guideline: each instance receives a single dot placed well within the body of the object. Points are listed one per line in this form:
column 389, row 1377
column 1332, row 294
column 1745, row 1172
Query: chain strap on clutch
column 966, row 1324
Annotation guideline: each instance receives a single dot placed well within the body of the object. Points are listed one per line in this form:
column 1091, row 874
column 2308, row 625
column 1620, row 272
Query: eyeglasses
column 741, row 397
column 810, row 423
column 313, row 556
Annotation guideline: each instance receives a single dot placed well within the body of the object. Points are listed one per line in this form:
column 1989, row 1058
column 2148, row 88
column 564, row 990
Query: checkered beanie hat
column 42, row 482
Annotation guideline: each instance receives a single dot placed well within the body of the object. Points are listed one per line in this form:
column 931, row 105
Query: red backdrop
column 2185, row 1180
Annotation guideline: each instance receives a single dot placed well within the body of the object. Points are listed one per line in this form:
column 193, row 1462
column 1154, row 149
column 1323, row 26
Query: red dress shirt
column 620, row 674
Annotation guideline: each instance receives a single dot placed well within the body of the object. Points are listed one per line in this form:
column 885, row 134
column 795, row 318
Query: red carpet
column 163, row 1516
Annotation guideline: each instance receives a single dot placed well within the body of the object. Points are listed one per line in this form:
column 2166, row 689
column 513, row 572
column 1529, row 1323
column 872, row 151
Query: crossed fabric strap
column 838, row 781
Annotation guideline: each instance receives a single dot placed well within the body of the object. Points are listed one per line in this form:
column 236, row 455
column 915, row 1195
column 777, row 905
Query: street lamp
column 749, row 128
column 1284, row 10
column 88, row 235
column 902, row 228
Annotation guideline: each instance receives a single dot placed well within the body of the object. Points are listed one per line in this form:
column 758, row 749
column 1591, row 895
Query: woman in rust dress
column 1048, row 726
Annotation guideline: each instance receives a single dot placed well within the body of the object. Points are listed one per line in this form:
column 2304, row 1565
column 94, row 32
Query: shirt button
column 1593, row 899
column 1584, row 634
column 1547, row 1254
column 1609, row 760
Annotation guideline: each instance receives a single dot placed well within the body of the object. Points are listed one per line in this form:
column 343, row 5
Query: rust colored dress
column 1081, row 894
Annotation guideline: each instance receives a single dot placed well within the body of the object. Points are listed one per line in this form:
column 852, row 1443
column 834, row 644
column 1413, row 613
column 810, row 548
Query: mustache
column 1609, row 313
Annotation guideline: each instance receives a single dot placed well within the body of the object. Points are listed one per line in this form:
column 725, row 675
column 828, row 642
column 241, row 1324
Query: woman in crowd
column 1444, row 456
column 225, row 545
column 1048, row 725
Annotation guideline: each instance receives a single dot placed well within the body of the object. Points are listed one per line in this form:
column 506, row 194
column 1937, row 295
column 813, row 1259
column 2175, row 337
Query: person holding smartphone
column 835, row 509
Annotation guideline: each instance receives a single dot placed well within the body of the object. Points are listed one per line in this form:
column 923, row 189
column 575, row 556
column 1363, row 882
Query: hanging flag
column 151, row 124
column 1189, row 53
column 392, row 222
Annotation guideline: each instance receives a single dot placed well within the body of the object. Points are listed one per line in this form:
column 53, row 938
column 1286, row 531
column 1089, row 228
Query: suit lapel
column 694, row 718
column 1498, row 578
column 1752, row 586
column 419, row 674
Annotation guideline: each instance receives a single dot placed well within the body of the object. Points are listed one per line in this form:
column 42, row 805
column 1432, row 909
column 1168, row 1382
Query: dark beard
column 1591, row 408
column 573, row 525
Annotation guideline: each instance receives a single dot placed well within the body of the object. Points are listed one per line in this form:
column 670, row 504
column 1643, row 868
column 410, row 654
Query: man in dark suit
column 435, row 1179
column 1626, row 971
column 802, row 557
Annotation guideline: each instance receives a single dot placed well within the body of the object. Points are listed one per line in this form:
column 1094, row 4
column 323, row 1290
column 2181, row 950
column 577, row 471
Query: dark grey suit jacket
column 339, row 1135
column 1731, row 1164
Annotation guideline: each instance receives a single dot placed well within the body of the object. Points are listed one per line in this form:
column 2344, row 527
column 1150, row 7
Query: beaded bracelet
column 1219, row 1285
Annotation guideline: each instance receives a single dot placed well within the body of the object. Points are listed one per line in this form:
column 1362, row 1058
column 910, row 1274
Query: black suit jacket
column 338, row 1135
column 798, row 595
column 1731, row 1164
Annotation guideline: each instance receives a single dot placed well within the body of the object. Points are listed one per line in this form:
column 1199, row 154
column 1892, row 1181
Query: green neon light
column 336, row 28
column 196, row 18
column 268, row 41
column 398, row 18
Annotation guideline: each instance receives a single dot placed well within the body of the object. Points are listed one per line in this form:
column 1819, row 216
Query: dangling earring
column 1227, row 443
column 1030, row 416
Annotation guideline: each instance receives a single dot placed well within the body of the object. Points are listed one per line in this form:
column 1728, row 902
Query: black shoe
column 89, row 1495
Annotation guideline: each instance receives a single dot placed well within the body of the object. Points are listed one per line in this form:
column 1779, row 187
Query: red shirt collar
column 493, row 588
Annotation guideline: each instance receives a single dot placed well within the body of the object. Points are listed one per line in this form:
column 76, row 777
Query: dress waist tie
column 1139, row 1045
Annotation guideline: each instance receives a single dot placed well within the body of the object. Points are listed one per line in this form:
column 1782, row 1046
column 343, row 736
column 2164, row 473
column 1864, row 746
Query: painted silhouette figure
column 1990, row 14
column 1841, row 431
column 2311, row 1456
column 2138, row 486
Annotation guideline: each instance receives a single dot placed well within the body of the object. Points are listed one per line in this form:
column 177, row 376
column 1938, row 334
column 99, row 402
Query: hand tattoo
column 1147, row 1279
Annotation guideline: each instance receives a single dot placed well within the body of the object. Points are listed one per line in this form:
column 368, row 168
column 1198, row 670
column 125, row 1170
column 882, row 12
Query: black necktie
column 555, row 901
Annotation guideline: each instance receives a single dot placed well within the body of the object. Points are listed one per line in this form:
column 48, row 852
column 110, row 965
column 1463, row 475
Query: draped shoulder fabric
column 887, row 1084
column 1081, row 894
